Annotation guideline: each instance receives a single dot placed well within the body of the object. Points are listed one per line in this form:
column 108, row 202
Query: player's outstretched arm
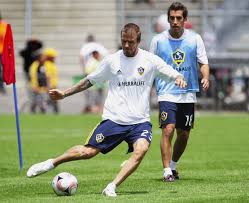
column 82, row 85
column 180, row 82
column 56, row 94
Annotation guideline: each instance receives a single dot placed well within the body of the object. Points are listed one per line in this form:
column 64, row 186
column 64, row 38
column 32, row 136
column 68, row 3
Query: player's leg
column 92, row 147
column 75, row 153
column 167, row 119
column 180, row 143
column 140, row 149
column 185, row 120
column 179, row 148
column 165, row 145
column 141, row 146
column 140, row 136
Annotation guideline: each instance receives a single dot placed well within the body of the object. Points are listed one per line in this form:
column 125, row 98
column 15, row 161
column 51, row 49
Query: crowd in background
column 41, row 75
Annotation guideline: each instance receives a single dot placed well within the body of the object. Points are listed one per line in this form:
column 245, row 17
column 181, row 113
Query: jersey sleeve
column 163, row 70
column 102, row 73
column 201, row 52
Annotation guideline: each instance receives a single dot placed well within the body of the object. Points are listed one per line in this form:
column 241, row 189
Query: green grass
column 214, row 168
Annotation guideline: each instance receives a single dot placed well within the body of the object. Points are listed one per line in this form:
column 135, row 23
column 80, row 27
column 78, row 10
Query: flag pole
column 9, row 77
column 18, row 127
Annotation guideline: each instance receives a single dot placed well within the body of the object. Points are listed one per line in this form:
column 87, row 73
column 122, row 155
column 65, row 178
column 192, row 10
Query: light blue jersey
column 181, row 54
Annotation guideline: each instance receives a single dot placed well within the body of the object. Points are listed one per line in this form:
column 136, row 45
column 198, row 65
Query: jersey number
column 189, row 120
column 147, row 134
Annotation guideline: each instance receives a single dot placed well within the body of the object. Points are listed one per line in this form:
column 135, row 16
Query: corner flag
column 8, row 57
column 9, row 77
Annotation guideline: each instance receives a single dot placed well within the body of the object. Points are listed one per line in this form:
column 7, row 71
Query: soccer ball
column 65, row 184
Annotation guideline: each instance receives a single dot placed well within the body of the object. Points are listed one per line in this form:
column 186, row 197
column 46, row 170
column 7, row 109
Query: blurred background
column 68, row 38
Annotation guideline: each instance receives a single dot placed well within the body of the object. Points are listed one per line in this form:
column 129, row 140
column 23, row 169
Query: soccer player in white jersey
column 184, row 50
column 130, row 73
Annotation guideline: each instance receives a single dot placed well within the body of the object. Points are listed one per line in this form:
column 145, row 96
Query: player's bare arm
column 204, row 68
column 82, row 85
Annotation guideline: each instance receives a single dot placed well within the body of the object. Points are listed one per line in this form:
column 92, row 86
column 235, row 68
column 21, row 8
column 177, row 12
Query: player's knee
column 88, row 152
column 183, row 134
column 140, row 152
column 168, row 130
column 82, row 152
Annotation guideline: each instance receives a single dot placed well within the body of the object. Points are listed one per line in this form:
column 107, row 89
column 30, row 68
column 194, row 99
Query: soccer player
column 130, row 73
column 184, row 50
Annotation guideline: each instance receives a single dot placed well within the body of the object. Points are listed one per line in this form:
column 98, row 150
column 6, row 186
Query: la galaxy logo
column 164, row 116
column 178, row 57
column 99, row 138
column 140, row 70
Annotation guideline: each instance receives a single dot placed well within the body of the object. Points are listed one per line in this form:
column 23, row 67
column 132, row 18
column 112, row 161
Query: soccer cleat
column 109, row 191
column 40, row 168
column 175, row 174
column 169, row 178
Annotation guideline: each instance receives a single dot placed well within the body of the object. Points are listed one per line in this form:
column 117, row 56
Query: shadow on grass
column 180, row 180
column 126, row 193
column 132, row 192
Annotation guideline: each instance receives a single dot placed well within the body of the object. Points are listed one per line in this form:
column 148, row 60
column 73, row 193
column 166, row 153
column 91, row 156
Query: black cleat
column 175, row 174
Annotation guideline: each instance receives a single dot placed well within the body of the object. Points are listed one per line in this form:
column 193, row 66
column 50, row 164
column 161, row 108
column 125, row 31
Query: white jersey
column 130, row 81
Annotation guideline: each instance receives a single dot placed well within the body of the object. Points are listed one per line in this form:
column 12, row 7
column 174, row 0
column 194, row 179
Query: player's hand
column 205, row 84
column 56, row 94
column 180, row 82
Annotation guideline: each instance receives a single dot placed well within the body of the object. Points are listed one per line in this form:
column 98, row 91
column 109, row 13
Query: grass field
column 214, row 168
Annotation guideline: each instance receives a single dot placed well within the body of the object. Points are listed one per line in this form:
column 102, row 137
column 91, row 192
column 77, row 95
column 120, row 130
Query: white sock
column 167, row 171
column 50, row 164
column 173, row 165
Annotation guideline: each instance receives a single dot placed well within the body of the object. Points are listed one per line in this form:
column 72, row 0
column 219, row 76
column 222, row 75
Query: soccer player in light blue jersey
column 184, row 50
column 130, row 73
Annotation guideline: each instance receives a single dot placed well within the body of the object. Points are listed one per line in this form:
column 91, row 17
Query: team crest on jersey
column 178, row 57
column 164, row 116
column 99, row 138
column 140, row 70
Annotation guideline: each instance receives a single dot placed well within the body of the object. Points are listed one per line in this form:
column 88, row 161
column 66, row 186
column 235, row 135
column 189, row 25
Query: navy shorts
column 180, row 114
column 107, row 135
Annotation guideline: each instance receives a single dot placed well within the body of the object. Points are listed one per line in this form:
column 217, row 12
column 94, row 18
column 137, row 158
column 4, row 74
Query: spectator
column 188, row 25
column 237, row 94
column 86, row 54
column 94, row 96
column 39, row 85
column 88, row 48
column 161, row 24
column 29, row 54
column 51, row 72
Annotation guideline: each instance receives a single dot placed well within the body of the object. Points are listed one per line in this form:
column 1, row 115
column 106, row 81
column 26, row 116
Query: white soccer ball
column 65, row 184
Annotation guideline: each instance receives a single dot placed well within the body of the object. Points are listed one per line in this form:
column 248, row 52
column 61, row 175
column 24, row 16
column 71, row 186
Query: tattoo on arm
column 79, row 87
